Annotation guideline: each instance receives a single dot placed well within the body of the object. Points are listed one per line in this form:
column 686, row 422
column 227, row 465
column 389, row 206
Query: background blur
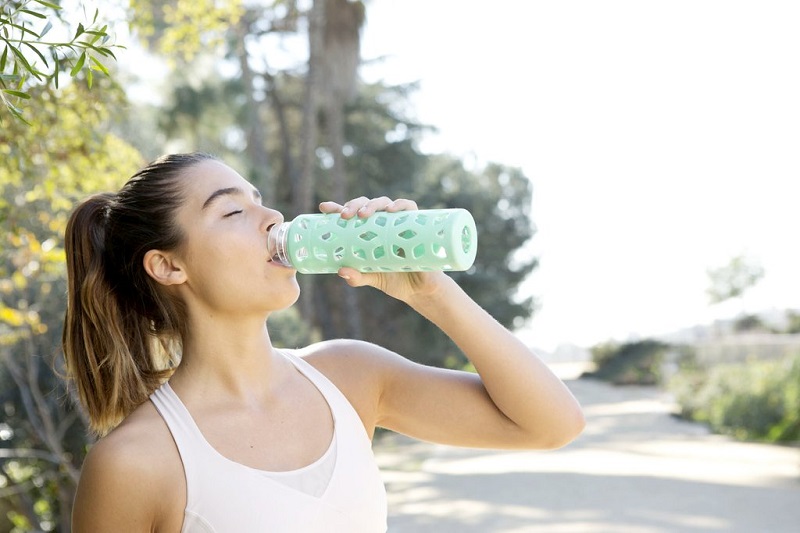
column 659, row 137
column 631, row 165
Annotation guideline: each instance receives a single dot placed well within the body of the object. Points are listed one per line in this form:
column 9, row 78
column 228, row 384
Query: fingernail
column 344, row 276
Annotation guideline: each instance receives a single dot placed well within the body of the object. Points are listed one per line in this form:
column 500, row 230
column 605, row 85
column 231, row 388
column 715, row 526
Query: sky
column 661, row 138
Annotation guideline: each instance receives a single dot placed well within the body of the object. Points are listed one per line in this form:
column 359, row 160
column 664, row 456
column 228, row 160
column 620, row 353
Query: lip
column 277, row 264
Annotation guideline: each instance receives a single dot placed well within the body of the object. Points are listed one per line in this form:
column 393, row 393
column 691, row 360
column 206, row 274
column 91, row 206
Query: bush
column 634, row 363
column 758, row 400
column 794, row 322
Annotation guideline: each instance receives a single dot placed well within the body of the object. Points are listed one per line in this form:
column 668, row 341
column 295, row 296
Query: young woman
column 206, row 425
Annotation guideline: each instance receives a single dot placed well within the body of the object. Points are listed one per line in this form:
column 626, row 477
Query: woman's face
column 224, row 254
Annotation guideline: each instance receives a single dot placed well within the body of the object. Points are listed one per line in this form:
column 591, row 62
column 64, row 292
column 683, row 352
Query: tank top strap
column 184, row 431
column 342, row 410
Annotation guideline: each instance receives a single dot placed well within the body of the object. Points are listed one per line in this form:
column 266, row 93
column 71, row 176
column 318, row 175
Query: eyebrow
column 228, row 191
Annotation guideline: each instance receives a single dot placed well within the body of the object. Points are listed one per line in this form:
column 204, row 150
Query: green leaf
column 99, row 49
column 107, row 52
column 3, row 60
column 12, row 107
column 33, row 13
column 48, row 4
column 78, row 66
column 96, row 12
column 79, row 31
column 23, row 29
column 89, row 78
column 22, row 60
column 18, row 94
column 38, row 53
column 46, row 29
column 99, row 66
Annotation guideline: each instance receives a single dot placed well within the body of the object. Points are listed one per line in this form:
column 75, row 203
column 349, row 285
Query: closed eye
column 233, row 213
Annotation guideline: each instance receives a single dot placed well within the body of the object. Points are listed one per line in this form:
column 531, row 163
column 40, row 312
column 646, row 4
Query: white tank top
column 340, row 492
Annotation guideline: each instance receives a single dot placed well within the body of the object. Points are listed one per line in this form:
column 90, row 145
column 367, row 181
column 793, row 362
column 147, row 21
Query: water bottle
column 405, row 241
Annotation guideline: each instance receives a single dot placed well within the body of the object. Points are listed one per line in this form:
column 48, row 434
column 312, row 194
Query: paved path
column 635, row 469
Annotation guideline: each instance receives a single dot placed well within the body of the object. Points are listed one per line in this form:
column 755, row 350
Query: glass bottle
column 405, row 241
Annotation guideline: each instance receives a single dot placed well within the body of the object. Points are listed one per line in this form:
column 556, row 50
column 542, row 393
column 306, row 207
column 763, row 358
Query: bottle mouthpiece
column 276, row 244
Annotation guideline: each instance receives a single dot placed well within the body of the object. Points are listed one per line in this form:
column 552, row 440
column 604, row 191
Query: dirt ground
column 635, row 469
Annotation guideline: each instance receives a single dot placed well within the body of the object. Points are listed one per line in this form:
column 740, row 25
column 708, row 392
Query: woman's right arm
column 113, row 492
column 132, row 480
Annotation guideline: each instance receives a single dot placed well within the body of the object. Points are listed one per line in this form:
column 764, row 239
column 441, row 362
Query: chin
column 286, row 299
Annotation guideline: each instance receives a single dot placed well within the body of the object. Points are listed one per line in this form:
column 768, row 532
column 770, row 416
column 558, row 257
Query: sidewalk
column 635, row 469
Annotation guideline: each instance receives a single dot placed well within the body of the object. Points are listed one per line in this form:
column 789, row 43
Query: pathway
column 635, row 469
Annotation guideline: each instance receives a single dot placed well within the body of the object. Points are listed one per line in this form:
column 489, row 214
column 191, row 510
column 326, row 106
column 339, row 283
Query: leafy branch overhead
column 27, row 58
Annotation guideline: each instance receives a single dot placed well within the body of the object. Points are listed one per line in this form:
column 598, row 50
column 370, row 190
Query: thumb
column 354, row 278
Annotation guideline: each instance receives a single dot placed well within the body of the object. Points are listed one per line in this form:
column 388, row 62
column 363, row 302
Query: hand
column 402, row 285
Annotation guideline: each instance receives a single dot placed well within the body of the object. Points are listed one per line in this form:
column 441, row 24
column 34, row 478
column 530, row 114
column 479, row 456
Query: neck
column 231, row 357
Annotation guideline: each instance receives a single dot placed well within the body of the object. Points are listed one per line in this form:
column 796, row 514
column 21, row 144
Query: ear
column 164, row 268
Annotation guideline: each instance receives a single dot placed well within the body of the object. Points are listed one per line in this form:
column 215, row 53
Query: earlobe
column 163, row 268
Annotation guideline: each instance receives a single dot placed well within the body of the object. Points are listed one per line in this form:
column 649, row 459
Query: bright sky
column 662, row 139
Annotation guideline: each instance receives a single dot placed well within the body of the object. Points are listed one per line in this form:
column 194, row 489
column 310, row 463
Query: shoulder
column 358, row 369
column 350, row 360
column 130, row 476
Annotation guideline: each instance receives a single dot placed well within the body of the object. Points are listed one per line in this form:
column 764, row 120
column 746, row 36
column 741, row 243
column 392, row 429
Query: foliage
column 749, row 323
column 633, row 363
column 757, row 400
column 63, row 155
column 734, row 279
column 185, row 28
column 23, row 27
column 794, row 322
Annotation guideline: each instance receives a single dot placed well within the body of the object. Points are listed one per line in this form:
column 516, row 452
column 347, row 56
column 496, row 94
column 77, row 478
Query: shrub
column 757, row 400
column 634, row 363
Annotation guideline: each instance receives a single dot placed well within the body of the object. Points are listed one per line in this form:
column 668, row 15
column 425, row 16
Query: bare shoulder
column 358, row 369
column 132, row 478
column 351, row 362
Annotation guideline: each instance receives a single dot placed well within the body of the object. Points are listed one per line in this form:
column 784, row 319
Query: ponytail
column 109, row 351
column 122, row 333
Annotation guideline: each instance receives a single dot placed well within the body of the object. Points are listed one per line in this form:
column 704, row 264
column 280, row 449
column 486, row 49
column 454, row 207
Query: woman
column 170, row 288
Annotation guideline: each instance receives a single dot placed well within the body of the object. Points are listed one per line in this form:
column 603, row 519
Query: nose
column 270, row 218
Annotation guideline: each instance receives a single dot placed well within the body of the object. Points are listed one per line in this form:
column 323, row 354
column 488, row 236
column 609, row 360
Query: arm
column 513, row 402
column 131, row 480
column 112, row 494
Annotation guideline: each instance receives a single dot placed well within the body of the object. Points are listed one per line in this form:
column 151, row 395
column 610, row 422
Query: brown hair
column 122, row 331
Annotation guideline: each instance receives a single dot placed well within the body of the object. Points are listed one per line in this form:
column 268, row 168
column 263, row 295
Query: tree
column 61, row 155
column 23, row 27
column 734, row 279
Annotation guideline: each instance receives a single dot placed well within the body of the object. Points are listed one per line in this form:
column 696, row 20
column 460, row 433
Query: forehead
column 203, row 179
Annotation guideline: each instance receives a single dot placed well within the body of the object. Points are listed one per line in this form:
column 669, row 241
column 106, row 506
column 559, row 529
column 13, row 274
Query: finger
column 352, row 206
column 330, row 207
column 353, row 277
column 401, row 204
column 374, row 205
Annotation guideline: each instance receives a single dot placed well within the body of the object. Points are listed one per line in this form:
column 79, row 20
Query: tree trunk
column 261, row 176
column 343, row 23
column 303, row 188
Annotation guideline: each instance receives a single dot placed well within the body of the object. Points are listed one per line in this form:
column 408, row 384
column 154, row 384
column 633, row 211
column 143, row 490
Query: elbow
column 571, row 428
column 562, row 431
